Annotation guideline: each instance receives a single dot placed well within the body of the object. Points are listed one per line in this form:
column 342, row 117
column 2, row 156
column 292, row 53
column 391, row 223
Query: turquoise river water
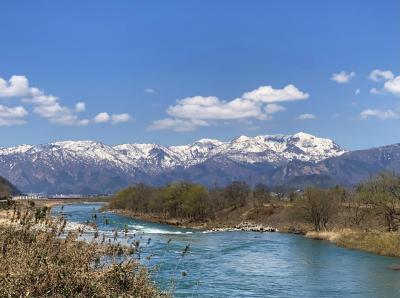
column 245, row 264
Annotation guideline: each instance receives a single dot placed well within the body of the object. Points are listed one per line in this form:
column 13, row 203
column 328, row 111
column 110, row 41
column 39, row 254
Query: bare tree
column 237, row 192
column 383, row 194
column 261, row 194
column 319, row 206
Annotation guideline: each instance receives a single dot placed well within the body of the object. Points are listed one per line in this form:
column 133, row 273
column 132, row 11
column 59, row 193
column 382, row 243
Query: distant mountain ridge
column 94, row 167
column 7, row 189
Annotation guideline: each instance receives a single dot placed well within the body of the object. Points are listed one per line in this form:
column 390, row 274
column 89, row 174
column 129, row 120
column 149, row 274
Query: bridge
column 56, row 197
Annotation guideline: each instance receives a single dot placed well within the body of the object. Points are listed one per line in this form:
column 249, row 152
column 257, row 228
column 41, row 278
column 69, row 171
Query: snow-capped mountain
column 94, row 167
column 279, row 149
column 276, row 149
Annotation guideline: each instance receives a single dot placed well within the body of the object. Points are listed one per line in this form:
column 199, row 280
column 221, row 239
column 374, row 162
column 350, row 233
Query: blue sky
column 172, row 72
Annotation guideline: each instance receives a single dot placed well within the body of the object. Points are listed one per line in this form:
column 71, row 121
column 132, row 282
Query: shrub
column 36, row 262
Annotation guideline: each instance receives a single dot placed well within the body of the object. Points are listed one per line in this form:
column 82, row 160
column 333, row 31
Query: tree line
column 374, row 203
column 189, row 201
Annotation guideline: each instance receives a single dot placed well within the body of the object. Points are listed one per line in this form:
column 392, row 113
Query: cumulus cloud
column 274, row 108
column 15, row 86
column 391, row 83
column 114, row 118
column 378, row 75
column 102, row 117
column 47, row 105
column 149, row 90
column 120, row 118
column 306, row 117
column 379, row 114
column 58, row 114
column 12, row 116
column 343, row 77
column 268, row 94
column 393, row 86
column 192, row 112
column 211, row 108
column 178, row 125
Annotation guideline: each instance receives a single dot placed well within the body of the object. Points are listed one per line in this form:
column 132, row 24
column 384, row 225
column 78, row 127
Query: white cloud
column 149, row 90
column 248, row 106
column 379, row 114
column 45, row 105
column 211, row 108
column 49, row 106
column 343, row 77
column 357, row 92
column 274, row 108
column 191, row 112
column 16, row 112
column 393, row 85
column 102, row 117
column 115, row 118
column 178, row 125
column 58, row 114
column 267, row 94
column 378, row 75
column 120, row 118
column 41, row 99
column 12, row 116
column 80, row 107
column 16, row 86
column 306, row 117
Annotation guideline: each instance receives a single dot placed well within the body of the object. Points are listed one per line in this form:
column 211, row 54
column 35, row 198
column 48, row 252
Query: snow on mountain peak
column 303, row 135
column 241, row 139
column 208, row 142
column 153, row 158
column 15, row 150
column 79, row 145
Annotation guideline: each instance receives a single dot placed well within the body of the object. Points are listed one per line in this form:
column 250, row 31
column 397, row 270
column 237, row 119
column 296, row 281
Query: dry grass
column 382, row 243
column 387, row 244
column 324, row 235
column 35, row 262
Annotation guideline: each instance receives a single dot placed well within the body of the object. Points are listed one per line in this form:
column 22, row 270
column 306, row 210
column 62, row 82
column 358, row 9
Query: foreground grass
column 35, row 262
column 381, row 243
column 386, row 244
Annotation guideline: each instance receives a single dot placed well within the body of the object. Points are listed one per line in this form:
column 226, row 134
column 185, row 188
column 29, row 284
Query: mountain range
column 89, row 167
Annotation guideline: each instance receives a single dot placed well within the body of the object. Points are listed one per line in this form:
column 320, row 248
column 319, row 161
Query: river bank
column 210, row 226
column 381, row 243
column 246, row 264
column 377, row 242
column 274, row 220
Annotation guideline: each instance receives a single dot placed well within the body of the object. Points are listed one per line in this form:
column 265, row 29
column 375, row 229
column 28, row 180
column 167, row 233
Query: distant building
column 29, row 197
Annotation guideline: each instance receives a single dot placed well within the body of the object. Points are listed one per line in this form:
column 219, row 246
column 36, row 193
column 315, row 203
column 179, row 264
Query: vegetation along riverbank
column 39, row 258
column 365, row 218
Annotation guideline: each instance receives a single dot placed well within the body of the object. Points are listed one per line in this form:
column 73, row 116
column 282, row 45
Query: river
column 246, row 264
